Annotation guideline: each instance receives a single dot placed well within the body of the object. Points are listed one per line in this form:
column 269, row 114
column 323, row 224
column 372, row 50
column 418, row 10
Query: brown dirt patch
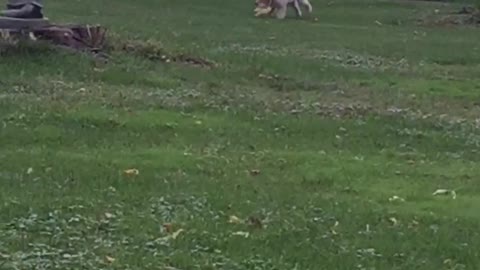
column 466, row 16
column 154, row 51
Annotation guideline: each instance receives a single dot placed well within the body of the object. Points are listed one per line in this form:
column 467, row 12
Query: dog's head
column 263, row 3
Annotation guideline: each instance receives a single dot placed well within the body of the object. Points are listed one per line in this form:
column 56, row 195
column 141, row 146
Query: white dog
column 279, row 7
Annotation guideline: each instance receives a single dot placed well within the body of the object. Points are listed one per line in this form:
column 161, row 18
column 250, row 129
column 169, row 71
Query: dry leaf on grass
column 244, row 234
column 395, row 198
column 393, row 220
column 172, row 236
column 176, row 234
column 109, row 259
column 413, row 224
column 131, row 172
column 441, row 192
column 444, row 192
column 254, row 172
column 234, row 220
column 334, row 232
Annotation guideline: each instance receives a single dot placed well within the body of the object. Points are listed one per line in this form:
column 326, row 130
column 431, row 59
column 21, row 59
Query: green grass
column 307, row 127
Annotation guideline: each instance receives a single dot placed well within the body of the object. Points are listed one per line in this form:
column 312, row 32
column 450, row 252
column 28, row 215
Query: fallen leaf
column 441, row 192
column 109, row 215
column 234, row 220
column 131, row 172
column 244, row 234
column 413, row 224
column 176, row 234
column 395, row 198
column 334, row 232
column 393, row 220
column 169, row 268
column 29, row 170
column 444, row 192
column 254, row 172
column 109, row 259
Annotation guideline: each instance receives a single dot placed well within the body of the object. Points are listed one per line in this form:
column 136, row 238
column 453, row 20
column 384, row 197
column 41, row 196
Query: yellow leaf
column 395, row 198
column 234, row 220
column 244, row 234
column 131, row 172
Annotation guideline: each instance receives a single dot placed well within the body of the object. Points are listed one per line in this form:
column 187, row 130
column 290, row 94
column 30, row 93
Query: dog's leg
column 307, row 4
column 272, row 11
column 32, row 36
column 298, row 10
column 281, row 12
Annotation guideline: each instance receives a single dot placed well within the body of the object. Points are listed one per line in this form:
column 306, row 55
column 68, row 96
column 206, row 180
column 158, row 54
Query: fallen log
column 79, row 37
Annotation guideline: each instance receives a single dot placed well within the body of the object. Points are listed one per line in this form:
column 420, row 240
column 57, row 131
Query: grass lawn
column 311, row 143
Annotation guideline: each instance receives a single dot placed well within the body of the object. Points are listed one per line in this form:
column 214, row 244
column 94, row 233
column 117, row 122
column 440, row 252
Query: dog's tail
column 308, row 5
